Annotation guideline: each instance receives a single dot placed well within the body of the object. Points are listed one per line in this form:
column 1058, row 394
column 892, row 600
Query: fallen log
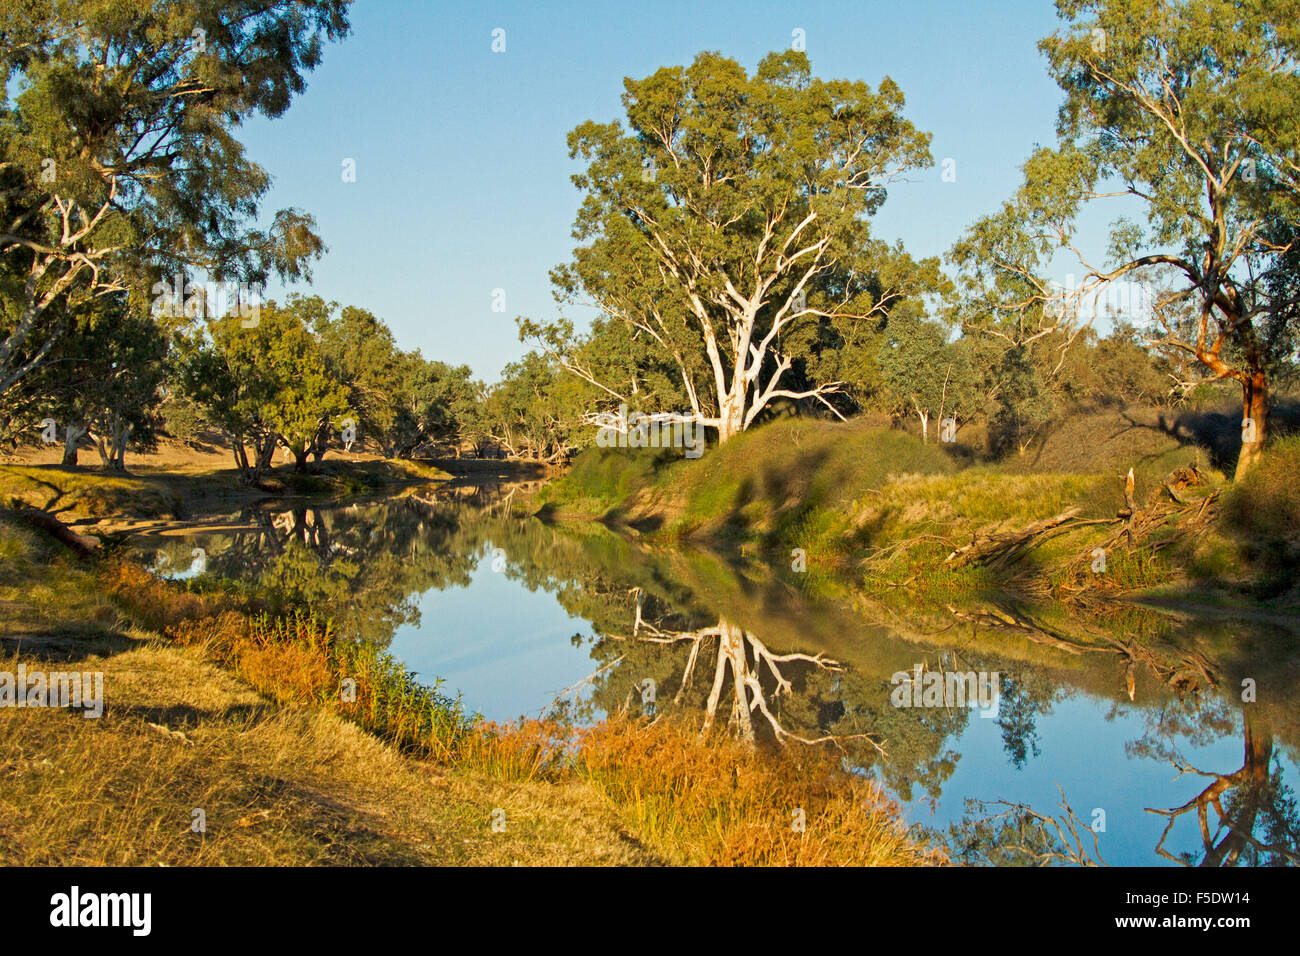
column 81, row 543
column 992, row 617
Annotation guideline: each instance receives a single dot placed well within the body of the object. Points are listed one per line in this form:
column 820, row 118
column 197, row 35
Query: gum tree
column 923, row 374
column 118, row 159
column 103, row 382
column 267, row 386
column 731, row 210
column 1190, row 113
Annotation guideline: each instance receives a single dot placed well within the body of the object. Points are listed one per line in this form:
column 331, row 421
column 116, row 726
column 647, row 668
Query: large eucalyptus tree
column 729, row 212
column 1189, row 111
column 119, row 161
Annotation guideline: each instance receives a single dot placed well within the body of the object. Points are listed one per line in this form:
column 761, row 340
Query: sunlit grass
column 717, row 801
column 299, row 659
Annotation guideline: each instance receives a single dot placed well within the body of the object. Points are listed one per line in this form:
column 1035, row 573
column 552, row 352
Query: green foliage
column 267, row 384
column 923, row 374
column 1191, row 110
column 535, row 410
column 1025, row 404
column 118, row 159
column 398, row 398
column 692, row 218
column 103, row 382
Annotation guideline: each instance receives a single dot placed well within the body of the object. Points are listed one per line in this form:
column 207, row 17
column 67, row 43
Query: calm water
column 522, row 619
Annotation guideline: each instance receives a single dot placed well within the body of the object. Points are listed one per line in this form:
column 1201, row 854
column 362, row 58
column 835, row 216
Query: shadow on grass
column 67, row 643
column 184, row 716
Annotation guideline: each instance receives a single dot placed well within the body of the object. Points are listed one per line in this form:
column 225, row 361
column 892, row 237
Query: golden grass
column 221, row 708
column 278, row 786
column 719, row 802
column 712, row 801
column 526, row 751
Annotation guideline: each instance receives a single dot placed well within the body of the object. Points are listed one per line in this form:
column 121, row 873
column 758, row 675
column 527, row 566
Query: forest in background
column 725, row 243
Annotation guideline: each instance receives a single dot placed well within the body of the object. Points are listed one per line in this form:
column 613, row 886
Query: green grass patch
column 88, row 494
column 1261, row 513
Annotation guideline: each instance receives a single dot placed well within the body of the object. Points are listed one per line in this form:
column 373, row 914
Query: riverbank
column 856, row 505
column 213, row 703
column 92, row 496
column 277, row 784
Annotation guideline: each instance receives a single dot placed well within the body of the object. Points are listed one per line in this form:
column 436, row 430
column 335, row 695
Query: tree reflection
column 1256, row 821
column 362, row 565
column 758, row 677
column 1251, row 795
column 720, row 672
column 755, row 657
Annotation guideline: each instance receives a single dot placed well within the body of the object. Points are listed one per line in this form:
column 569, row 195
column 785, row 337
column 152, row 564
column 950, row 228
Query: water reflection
column 1124, row 710
column 1252, row 797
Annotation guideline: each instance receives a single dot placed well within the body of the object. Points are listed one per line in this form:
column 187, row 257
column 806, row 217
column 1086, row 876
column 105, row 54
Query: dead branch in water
column 1072, row 834
column 996, row 618
column 1183, row 672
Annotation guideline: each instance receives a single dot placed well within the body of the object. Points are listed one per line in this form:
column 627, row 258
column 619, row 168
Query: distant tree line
column 725, row 239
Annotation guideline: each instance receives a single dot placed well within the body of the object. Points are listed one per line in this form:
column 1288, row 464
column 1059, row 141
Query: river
column 1125, row 731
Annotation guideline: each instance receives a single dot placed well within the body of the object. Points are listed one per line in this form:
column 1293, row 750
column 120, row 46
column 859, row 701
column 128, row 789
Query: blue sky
column 462, row 172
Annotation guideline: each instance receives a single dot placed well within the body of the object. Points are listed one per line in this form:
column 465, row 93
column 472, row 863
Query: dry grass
column 524, row 752
column 712, row 801
column 718, row 802
column 278, row 786
column 241, row 716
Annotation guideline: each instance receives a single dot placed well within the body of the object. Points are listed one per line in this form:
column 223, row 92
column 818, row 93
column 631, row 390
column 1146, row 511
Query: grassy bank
column 86, row 495
column 217, row 703
column 280, row 782
column 879, row 509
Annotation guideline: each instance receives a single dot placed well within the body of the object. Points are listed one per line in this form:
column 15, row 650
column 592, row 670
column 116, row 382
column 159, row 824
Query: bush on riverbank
column 852, row 502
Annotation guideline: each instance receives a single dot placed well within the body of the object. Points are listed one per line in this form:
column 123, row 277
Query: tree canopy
column 731, row 210
column 1190, row 111
column 118, row 159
